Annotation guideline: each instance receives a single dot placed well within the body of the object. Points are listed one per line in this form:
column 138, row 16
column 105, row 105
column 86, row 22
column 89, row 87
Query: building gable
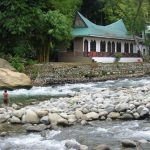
column 79, row 23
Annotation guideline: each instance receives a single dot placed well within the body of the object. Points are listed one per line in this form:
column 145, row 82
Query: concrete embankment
column 59, row 73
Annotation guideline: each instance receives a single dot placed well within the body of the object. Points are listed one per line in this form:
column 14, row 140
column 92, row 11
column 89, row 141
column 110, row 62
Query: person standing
column 5, row 98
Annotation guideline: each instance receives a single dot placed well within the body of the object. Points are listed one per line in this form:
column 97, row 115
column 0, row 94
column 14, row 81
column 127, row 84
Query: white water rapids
column 63, row 90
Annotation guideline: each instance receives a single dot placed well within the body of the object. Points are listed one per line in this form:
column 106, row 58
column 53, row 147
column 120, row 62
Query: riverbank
column 60, row 73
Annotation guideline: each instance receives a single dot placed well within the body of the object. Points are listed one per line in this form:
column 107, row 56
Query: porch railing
column 108, row 54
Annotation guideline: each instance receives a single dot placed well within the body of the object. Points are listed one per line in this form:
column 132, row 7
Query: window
column 126, row 47
column 109, row 46
column 93, row 46
column 85, row 46
column 103, row 46
column 118, row 47
column 131, row 48
column 113, row 47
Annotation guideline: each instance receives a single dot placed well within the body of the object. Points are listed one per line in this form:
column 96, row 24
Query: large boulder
column 57, row 119
column 5, row 64
column 11, row 79
column 30, row 117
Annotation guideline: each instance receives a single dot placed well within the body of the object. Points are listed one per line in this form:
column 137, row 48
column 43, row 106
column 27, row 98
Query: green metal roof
column 115, row 30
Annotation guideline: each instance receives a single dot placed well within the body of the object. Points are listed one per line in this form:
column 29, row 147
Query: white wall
column 112, row 59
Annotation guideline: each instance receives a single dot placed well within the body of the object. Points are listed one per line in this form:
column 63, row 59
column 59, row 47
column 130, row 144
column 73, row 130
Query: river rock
column 114, row 115
column 45, row 120
column 72, row 145
column 84, row 122
column 92, row 115
column 36, row 128
column 83, row 147
column 148, row 106
column 64, row 115
column 4, row 117
column 144, row 112
column 30, row 117
column 102, row 147
column 102, row 112
column 2, row 134
column 85, row 110
column 18, row 113
column 94, row 110
column 126, row 116
column 140, row 108
column 2, row 110
column 15, row 106
column 15, row 120
column 72, row 119
column 41, row 113
column 102, row 118
column 128, row 143
column 79, row 114
column 57, row 119
column 11, row 79
column 121, row 107
column 131, row 106
column 110, row 108
column 136, row 115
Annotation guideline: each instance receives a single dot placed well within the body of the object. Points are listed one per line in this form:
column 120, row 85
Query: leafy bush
column 117, row 57
column 146, row 58
column 30, row 62
column 18, row 63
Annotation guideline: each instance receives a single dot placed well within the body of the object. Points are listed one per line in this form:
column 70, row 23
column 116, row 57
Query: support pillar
column 106, row 42
column 115, row 47
column 122, row 47
column 89, row 46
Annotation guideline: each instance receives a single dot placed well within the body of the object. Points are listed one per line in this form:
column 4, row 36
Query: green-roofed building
column 96, row 41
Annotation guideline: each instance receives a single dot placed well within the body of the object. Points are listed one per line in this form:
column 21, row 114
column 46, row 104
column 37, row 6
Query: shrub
column 18, row 63
column 117, row 57
column 30, row 62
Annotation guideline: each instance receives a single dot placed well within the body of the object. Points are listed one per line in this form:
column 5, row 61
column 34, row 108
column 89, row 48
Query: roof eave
column 118, row 38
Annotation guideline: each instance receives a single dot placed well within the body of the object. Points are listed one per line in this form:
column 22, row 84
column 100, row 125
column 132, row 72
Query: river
column 102, row 132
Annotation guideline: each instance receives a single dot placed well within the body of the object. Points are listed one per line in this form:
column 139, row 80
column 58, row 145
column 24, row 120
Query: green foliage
column 93, row 10
column 30, row 62
column 30, row 25
column 133, row 12
column 104, row 73
column 146, row 58
column 18, row 63
column 117, row 56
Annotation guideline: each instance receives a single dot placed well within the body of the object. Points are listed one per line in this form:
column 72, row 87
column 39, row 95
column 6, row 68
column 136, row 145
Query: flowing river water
column 102, row 132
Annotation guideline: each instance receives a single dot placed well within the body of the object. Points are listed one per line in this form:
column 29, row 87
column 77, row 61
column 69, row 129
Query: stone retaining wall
column 59, row 73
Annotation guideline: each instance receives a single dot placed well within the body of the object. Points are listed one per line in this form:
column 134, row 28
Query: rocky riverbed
column 62, row 73
column 84, row 106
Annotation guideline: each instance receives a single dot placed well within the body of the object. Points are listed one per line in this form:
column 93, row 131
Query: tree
column 133, row 12
column 35, row 25
column 93, row 10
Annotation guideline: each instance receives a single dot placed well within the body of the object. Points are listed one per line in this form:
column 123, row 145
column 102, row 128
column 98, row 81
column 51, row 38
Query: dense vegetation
column 28, row 26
